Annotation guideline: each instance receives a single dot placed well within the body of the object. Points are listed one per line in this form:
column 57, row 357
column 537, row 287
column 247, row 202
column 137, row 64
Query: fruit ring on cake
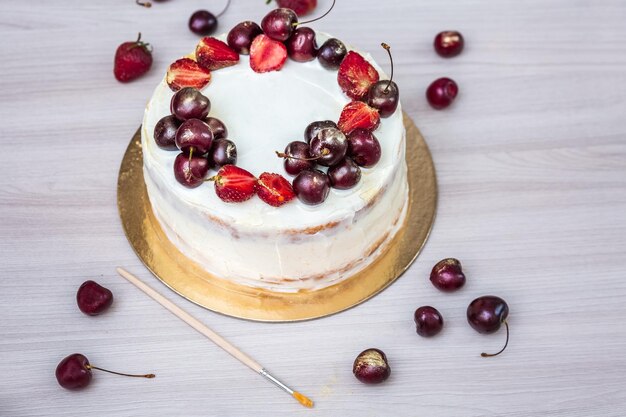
column 291, row 244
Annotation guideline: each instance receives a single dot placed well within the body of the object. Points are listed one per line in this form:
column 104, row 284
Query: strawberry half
column 267, row 54
column 356, row 76
column 213, row 54
column 187, row 73
column 234, row 184
column 301, row 7
column 132, row 60
column 358, row 115
column 274, row 189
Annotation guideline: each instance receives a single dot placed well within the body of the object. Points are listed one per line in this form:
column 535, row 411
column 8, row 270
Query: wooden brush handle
column 192, row 321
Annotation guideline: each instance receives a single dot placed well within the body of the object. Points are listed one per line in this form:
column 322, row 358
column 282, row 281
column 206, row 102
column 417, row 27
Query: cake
column 297, row 246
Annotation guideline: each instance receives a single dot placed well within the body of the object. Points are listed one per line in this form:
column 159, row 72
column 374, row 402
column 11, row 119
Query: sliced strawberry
column 267, row 54
column 213, row 54
column 187, row 73
column 301, row 7
column 234, row 184
column 274, row 189
column 356, row 76
column 358, row 115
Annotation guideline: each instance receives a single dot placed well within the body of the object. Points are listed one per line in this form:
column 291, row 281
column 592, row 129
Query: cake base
column 186, row 278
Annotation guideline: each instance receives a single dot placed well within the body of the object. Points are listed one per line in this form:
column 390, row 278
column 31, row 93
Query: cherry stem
column 283, row 155
column 190, row 174
column 119, row 373
column 489, row 355
column 224, row 9
column 388, row 49
column 146, row 4
column 317, row 18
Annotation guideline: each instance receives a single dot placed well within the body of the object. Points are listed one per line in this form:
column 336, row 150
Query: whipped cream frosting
column 296, row 246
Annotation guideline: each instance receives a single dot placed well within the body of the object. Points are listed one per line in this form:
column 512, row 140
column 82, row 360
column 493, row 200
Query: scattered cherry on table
column 486, row 314
column 371, row 366
column 441, row 93
column 449, row 43
column 428, row 321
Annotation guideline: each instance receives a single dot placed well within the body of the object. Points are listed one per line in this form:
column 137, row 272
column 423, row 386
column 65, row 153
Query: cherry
column 301, row 46
column 428, row 321
column 384, row 96
column 312, row 186
column 189, row 103
column 448, row 43
column 93, row 299
column 74, row 372
column 190, row 170
column 223, row 152
column 447, row 275
column 345, row 175
column 441, row 93
column 279, row 24
column 364, row 148
column 241, row 36
column 203, row 22
column 371, row 367
column 218, row 128
column 194, row 136
column 297, row 157
column 165, row 132
column 331, row 53
column 329, row 146
column 314, row 128
column 486, row 314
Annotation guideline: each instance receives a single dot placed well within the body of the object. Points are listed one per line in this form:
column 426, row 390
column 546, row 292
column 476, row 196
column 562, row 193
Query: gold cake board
column 188, row 279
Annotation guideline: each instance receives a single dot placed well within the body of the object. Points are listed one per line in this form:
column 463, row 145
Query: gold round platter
column 188, row 279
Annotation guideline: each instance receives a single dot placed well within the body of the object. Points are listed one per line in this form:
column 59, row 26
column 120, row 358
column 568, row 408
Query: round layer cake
column 295, row 247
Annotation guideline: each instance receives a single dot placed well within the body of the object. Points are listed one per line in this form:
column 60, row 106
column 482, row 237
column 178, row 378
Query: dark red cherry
column 301, row 46
column 279, row 24
column 314, row 128
column 312, row 187
column 447, row 275
column 428, row 321
column 329, row 146
column 190, row 172
column 297, row 158
column 218, row 128
column 194, row 134
column 223, row 152
column 165, row 132
column 203, row 23
column 331, row 53
column 486, row 314
column 441, row 93
column 241, row 36
column 384, row 97
column 364, row 148
column 449, row 43
column 345, row 175
column 371, row 367
column 189, row 103
column 74, row 372
column 93, row 299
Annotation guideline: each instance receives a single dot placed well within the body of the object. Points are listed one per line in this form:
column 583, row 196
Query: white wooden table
column 531, row 164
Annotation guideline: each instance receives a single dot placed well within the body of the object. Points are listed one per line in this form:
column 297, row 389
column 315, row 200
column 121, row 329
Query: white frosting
column 252, row 242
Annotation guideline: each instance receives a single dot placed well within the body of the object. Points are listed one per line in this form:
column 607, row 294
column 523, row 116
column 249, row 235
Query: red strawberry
column 274, row 189
column 267, row 54
column 358, row 115
column 356, row 76
column 213, row 54
column 132, row 60
column 234, row 184
column 187, row 73
column 301, row 7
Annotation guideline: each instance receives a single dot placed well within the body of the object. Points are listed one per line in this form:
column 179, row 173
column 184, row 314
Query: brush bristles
column 302, row 399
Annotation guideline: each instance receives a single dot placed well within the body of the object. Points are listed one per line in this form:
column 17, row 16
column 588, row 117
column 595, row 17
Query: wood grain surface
column 531, row 164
